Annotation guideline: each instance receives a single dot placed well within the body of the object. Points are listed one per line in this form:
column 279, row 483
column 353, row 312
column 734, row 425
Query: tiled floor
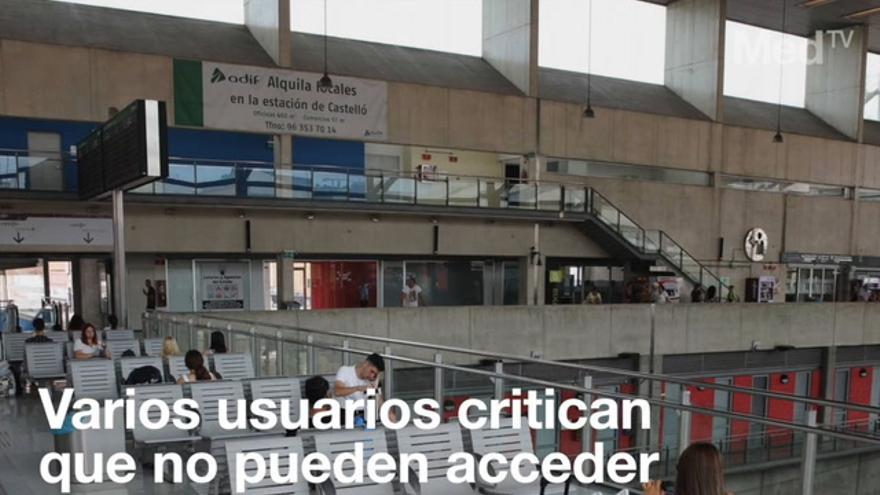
column 25, row 438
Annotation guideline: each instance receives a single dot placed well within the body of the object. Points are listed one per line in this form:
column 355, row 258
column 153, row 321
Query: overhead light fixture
column 588, row 112
column 863, row 13
column 374, row 219
column 777, row 138
column 325, row 81
column 310, row 216
column 784, row 379
column 863, row 373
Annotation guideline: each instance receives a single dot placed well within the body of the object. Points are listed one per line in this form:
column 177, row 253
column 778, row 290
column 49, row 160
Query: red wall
column 860, row 393
column 781, row 409
column 336, row 284
column 741, row 403
column 701, row 424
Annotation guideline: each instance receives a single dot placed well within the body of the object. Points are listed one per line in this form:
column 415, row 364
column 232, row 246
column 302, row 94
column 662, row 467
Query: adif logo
column 244, row 78
column 218, row 76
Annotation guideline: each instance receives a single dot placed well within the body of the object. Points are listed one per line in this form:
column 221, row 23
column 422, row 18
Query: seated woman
column 169, row 347
column 88, row 346
column 218, row 344
column 195, row 363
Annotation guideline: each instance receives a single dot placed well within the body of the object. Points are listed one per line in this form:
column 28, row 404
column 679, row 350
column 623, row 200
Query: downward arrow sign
column 18, row 238
column 88, row 238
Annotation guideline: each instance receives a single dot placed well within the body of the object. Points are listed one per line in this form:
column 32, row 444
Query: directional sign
column 57, row 231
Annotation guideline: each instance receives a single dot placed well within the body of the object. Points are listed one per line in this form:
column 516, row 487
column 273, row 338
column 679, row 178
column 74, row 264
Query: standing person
column 699, row 472
column 711, row 294
column 411, row 296
column 593, row 296
column 364, row 294
column 731, row 295
column 39, row 333
column 352, row 382
column 697, row 294
column 660, row 295
column 150, row 292
column 88, row 346
column 218, row 344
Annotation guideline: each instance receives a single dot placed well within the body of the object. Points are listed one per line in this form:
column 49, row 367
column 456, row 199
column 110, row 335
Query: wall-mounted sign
column 222, row 285
column 274, row 101
column 756, row 244
column 825, row 259
column 57, row 231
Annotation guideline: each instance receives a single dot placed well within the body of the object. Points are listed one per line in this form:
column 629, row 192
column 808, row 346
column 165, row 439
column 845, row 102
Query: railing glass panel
column 399, row 190
column 431, row 192
column 464, row 192
column 575, row 199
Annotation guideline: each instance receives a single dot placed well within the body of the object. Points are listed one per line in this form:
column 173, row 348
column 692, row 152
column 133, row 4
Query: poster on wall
column 222, row 286
column 260, row 99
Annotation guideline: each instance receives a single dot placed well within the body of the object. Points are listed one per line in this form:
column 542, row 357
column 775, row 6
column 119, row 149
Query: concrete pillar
column 836, row 79
column 510, row 41
column 88, row 288
column 536, row 267
column 269, row 23
column 695, row 31
column 285, row 280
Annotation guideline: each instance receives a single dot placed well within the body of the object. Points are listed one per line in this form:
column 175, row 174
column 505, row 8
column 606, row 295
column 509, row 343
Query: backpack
column 145, row 375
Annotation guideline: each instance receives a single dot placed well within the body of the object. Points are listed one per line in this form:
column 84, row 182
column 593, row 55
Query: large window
column 624, row 171
column 756, row 184
column 212, row 10
column 872, row 87
column 629, row 38
column 755, row 59
column 445, row 25
column 811, row 284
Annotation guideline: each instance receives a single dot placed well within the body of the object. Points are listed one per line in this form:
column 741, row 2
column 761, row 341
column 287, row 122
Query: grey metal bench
column 508, row 441
column 93, row 378
column 281, row 446
column 120, row 334
column 44, row 361
column 208, row 395
column 168, row 393
column 437, row 445
column 336, row 443
column 277, row 389
column 234, row 366
column 74, row 335
column 129, row 364
column 118, row 347
column 177, row 367
column 153, row 347
column 13, row 345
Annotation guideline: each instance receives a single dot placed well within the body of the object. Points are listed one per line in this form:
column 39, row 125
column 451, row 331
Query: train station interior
column 676, row 201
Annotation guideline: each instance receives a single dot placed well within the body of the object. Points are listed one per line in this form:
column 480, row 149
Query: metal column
column 809, row 459
column 119, row 267
column 684, row 423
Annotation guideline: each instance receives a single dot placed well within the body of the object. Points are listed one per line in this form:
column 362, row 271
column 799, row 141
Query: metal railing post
column 192, row 333
column 438, row 380
column 311, row 355
column 684, row 423
column 230, row 339
column 279, row 354
column 587, row 433
column 389, row 374
column 346, row 356
column 257, row 355
column 809, row 459
column 499, row 382
column 447, row 190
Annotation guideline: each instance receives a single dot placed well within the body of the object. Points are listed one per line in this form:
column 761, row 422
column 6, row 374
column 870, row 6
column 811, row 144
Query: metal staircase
column 623, row 237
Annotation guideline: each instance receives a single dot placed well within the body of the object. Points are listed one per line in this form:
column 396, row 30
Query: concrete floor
column 25, row 438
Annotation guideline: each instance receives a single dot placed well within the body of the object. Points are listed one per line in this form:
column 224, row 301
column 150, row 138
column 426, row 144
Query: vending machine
column 761, row 289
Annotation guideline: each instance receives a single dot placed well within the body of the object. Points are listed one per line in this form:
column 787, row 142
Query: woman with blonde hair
column 170, row 348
